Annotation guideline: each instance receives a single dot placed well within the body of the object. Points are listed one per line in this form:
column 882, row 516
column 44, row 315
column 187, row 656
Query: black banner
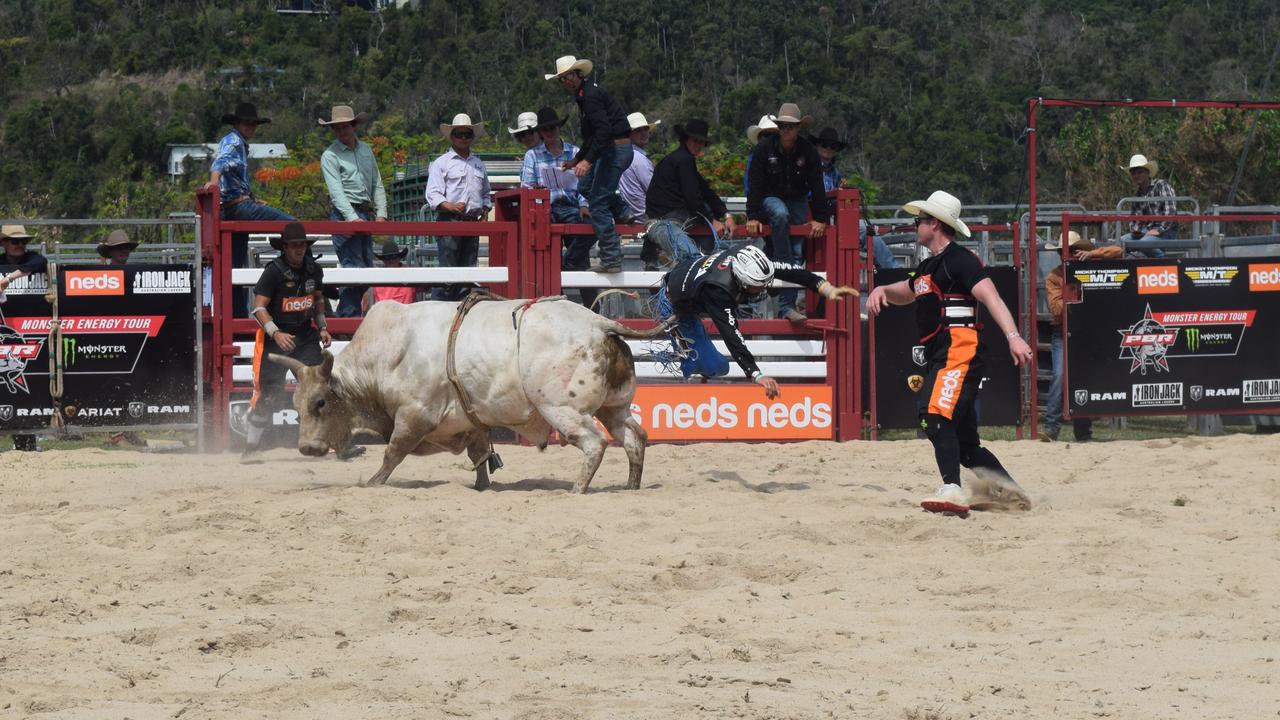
column 128, row 347
column 897, row 359
column 1160, row 337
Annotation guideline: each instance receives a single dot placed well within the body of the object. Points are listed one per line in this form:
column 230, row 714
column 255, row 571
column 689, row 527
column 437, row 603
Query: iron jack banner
column 128, row 347
column 900, row 359
column 1161, row 337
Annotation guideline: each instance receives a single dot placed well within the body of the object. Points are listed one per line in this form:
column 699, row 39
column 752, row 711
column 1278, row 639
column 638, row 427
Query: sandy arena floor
column 766, row 581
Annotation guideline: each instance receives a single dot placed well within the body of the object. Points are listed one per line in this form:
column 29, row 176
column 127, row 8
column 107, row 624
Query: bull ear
column 293, row 364
column 326, row 368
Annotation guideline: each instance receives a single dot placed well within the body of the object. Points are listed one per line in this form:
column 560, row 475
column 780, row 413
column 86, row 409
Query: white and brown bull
column 530, row 367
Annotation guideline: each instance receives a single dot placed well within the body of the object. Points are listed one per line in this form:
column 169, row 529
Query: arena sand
column 765, row 581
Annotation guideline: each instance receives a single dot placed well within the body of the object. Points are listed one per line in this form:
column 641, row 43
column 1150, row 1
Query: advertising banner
column 900, row 359
column 1176, row 336
column 128, row 347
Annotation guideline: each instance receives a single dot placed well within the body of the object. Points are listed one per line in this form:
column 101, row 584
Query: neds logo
column 1162, row 279
column 1264, row 277
column 95, row 282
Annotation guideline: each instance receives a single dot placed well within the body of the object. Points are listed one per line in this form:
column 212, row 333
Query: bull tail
column 617, row 329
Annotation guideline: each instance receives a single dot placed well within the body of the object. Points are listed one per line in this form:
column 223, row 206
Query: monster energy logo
column 68, row 351
column 1192, row 334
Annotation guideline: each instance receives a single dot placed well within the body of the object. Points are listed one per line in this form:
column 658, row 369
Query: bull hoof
column 350, row 452
column 481, row 485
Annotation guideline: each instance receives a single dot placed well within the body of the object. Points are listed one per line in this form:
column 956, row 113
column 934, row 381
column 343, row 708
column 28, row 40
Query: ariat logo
column 1159, row 280
column 1264, row 277
column 95, row 282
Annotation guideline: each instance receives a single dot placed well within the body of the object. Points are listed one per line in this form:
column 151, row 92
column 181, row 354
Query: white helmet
column 752, row 268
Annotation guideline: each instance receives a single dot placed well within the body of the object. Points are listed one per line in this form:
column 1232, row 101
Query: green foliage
column 928, row 94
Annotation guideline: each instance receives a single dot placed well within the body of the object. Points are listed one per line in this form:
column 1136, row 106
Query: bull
column 530, row 367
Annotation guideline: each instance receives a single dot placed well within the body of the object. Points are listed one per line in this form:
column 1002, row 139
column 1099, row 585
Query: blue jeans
column 1151, row 252
column 672, row 240
column 455, row 251
column 1082, row 427
column 783, row 246
column 247, row 210
column 354, row 251
column 703, row 358
column 575, row 253
column 884, row 257
column 600, row 187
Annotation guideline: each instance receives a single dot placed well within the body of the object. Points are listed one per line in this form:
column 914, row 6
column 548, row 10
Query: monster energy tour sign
column 127, row 349
column 1173, row 336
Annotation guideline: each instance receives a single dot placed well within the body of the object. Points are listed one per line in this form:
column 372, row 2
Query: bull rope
column 54, row 343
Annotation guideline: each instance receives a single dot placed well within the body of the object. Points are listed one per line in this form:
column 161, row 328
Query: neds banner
column 1190, row 336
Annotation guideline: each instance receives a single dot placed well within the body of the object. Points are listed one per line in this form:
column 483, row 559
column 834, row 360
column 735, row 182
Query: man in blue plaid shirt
column 1162, row 202
column 543, row 168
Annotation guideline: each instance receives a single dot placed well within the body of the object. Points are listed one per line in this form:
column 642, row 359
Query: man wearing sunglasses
column 526, row 130
column 786, row 189
column 458, row 190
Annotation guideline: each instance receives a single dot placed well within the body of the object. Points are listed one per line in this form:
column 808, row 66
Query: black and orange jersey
column 292, row 292
column 943, row 286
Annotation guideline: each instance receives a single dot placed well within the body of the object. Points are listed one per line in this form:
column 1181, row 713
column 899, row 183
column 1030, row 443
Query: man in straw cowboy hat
column 1058, row 292
column 289, row 307
column 391, row 255
column 117, row 248
column 458, row 190
column 604, row 156
column 785, row 186
column 356, row 193
column 1142, row 171
column 544, row 167
column 634, row 182
column 16, row 262
column 229, row 173
column 526, row 130
column 680, row 197
column 947, row 288
column 755, row 133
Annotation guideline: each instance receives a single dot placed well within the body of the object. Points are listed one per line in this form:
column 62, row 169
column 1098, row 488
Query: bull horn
column 326, row 368
column 292, row 363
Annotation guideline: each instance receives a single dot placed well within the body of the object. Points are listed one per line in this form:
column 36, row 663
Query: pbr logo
column 1197, row 392
column 918, row 356
column 6, row 413
column 1146, row 343
column 15, row 352
column 1082, row 397
column 136, row 409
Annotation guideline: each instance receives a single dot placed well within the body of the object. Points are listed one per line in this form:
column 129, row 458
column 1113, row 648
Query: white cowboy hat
column 568, row 64
column 343, row 114
column 753, row 131
column 14, row 232
column 526, row 121
column 943, row 206
column 637, row 121
column 1141, row 161
column 790, row 113
column 461, row 120
column 1075, row 242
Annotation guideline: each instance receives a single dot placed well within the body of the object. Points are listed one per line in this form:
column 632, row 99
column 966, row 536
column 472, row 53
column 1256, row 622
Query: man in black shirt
column 784, row 183
column 604, row 155
column 21, row 263
column 715, row 285
column 679, row 196
column 287, row 299
column 947, row 288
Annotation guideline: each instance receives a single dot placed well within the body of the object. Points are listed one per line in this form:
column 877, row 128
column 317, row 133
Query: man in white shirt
column 458, row 190
column 356, row 193
column 634, row 182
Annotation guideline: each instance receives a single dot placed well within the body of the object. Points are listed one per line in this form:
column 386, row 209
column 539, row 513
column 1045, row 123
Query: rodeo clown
column 946, row 289
column 286, row 300
column 715, row 285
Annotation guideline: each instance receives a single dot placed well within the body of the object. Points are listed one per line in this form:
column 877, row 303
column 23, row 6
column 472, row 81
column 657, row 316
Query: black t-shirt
column 30, row 262
column 944, row 281
column 292, row 292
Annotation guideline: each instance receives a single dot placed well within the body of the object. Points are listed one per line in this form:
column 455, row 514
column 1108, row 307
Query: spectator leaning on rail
column 526, row 130
column 786, row 184
column 714, row 286
column 947, row 288
column 680, row 197
column 755, row 133
column 604, row 156
column 392, row 256
column 829, row 145
column 230, row 174
column 458, row 190
column 22, row 262
column 544, row 167
column 634, row 182
column 117, row 248
column 1142, row 171
column 356, row 193
column 287, row 301
column 1058, row 292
